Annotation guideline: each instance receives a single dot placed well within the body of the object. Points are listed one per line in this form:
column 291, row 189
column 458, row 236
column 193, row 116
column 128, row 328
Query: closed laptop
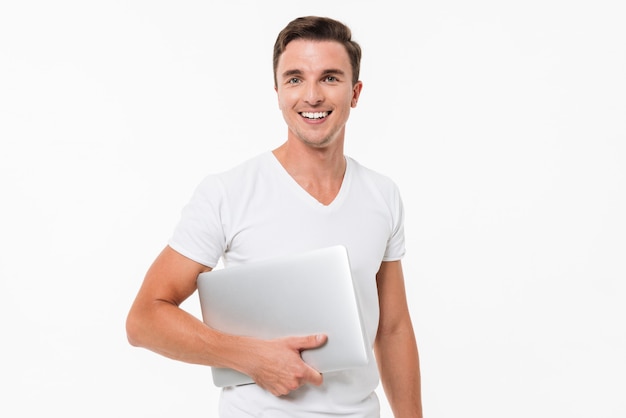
column 301, row 294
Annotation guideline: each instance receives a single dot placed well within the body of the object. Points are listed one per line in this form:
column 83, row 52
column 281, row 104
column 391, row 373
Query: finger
column 310, row 341
column 315, row 378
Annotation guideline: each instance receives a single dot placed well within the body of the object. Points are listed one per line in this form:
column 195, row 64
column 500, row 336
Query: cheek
column 284, row 101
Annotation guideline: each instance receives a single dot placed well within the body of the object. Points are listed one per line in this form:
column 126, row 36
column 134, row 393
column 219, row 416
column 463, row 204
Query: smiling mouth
column 314, row 115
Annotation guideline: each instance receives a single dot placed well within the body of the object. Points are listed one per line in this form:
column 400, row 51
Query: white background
column 504, row 123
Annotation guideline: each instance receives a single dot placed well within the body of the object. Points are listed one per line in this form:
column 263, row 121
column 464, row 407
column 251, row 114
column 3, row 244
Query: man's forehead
column 313, row 55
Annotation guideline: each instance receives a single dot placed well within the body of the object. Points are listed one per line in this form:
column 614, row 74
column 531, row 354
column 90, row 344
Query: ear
column 277, row 98
column 356, row 92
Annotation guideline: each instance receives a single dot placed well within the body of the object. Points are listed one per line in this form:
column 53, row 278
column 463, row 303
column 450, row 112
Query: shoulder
column 254, row 164
column 243, row 172
column 381, row 182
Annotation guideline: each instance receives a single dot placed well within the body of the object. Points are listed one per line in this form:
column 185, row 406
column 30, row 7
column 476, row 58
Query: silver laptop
column 302, row 294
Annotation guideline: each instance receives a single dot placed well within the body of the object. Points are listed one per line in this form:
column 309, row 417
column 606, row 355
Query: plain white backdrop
column 504, row 123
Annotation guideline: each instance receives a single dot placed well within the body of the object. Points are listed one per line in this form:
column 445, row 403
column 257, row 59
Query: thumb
column 311, row 341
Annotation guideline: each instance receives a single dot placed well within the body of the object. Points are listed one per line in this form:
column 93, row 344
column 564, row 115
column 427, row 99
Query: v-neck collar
column 306, row 196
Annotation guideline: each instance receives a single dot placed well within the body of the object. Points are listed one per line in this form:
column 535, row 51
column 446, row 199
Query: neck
column 319, row 171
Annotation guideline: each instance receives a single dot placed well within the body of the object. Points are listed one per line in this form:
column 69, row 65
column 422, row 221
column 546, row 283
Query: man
column 303, row 195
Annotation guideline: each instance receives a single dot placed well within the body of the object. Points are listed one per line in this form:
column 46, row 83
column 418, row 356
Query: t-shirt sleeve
column 396, row 243
column 199, row 234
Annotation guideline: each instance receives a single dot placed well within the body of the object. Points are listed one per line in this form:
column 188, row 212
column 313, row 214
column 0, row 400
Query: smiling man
column 303, row 195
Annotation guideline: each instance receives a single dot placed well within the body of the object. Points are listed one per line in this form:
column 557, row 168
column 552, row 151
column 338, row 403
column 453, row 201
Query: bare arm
column 395, row 346
column 156, row 322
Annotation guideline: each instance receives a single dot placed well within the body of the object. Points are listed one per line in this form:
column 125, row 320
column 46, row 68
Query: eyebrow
column 290, row 73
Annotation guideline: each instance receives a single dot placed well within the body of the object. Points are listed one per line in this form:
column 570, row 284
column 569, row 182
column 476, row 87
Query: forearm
column 275, row 365
column 170, row 331
column 398, row 362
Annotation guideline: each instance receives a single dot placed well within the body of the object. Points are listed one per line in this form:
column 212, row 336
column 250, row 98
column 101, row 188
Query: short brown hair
column 319, row 29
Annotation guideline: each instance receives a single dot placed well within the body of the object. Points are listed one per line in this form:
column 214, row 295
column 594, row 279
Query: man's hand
column 278, row 367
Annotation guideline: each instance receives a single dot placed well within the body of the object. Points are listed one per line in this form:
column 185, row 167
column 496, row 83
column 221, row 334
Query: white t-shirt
column 257, row 210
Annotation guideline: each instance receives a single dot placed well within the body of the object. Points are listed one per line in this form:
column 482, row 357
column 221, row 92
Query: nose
column 314, row 94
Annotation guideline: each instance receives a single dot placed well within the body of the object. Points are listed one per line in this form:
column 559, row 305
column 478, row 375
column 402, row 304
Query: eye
column 293, row 80
column 331, row 79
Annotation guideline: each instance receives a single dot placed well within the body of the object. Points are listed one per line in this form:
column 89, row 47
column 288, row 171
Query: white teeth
column 314, row 115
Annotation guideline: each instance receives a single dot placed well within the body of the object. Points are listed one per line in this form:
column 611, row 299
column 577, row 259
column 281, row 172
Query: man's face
column 315, row 91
